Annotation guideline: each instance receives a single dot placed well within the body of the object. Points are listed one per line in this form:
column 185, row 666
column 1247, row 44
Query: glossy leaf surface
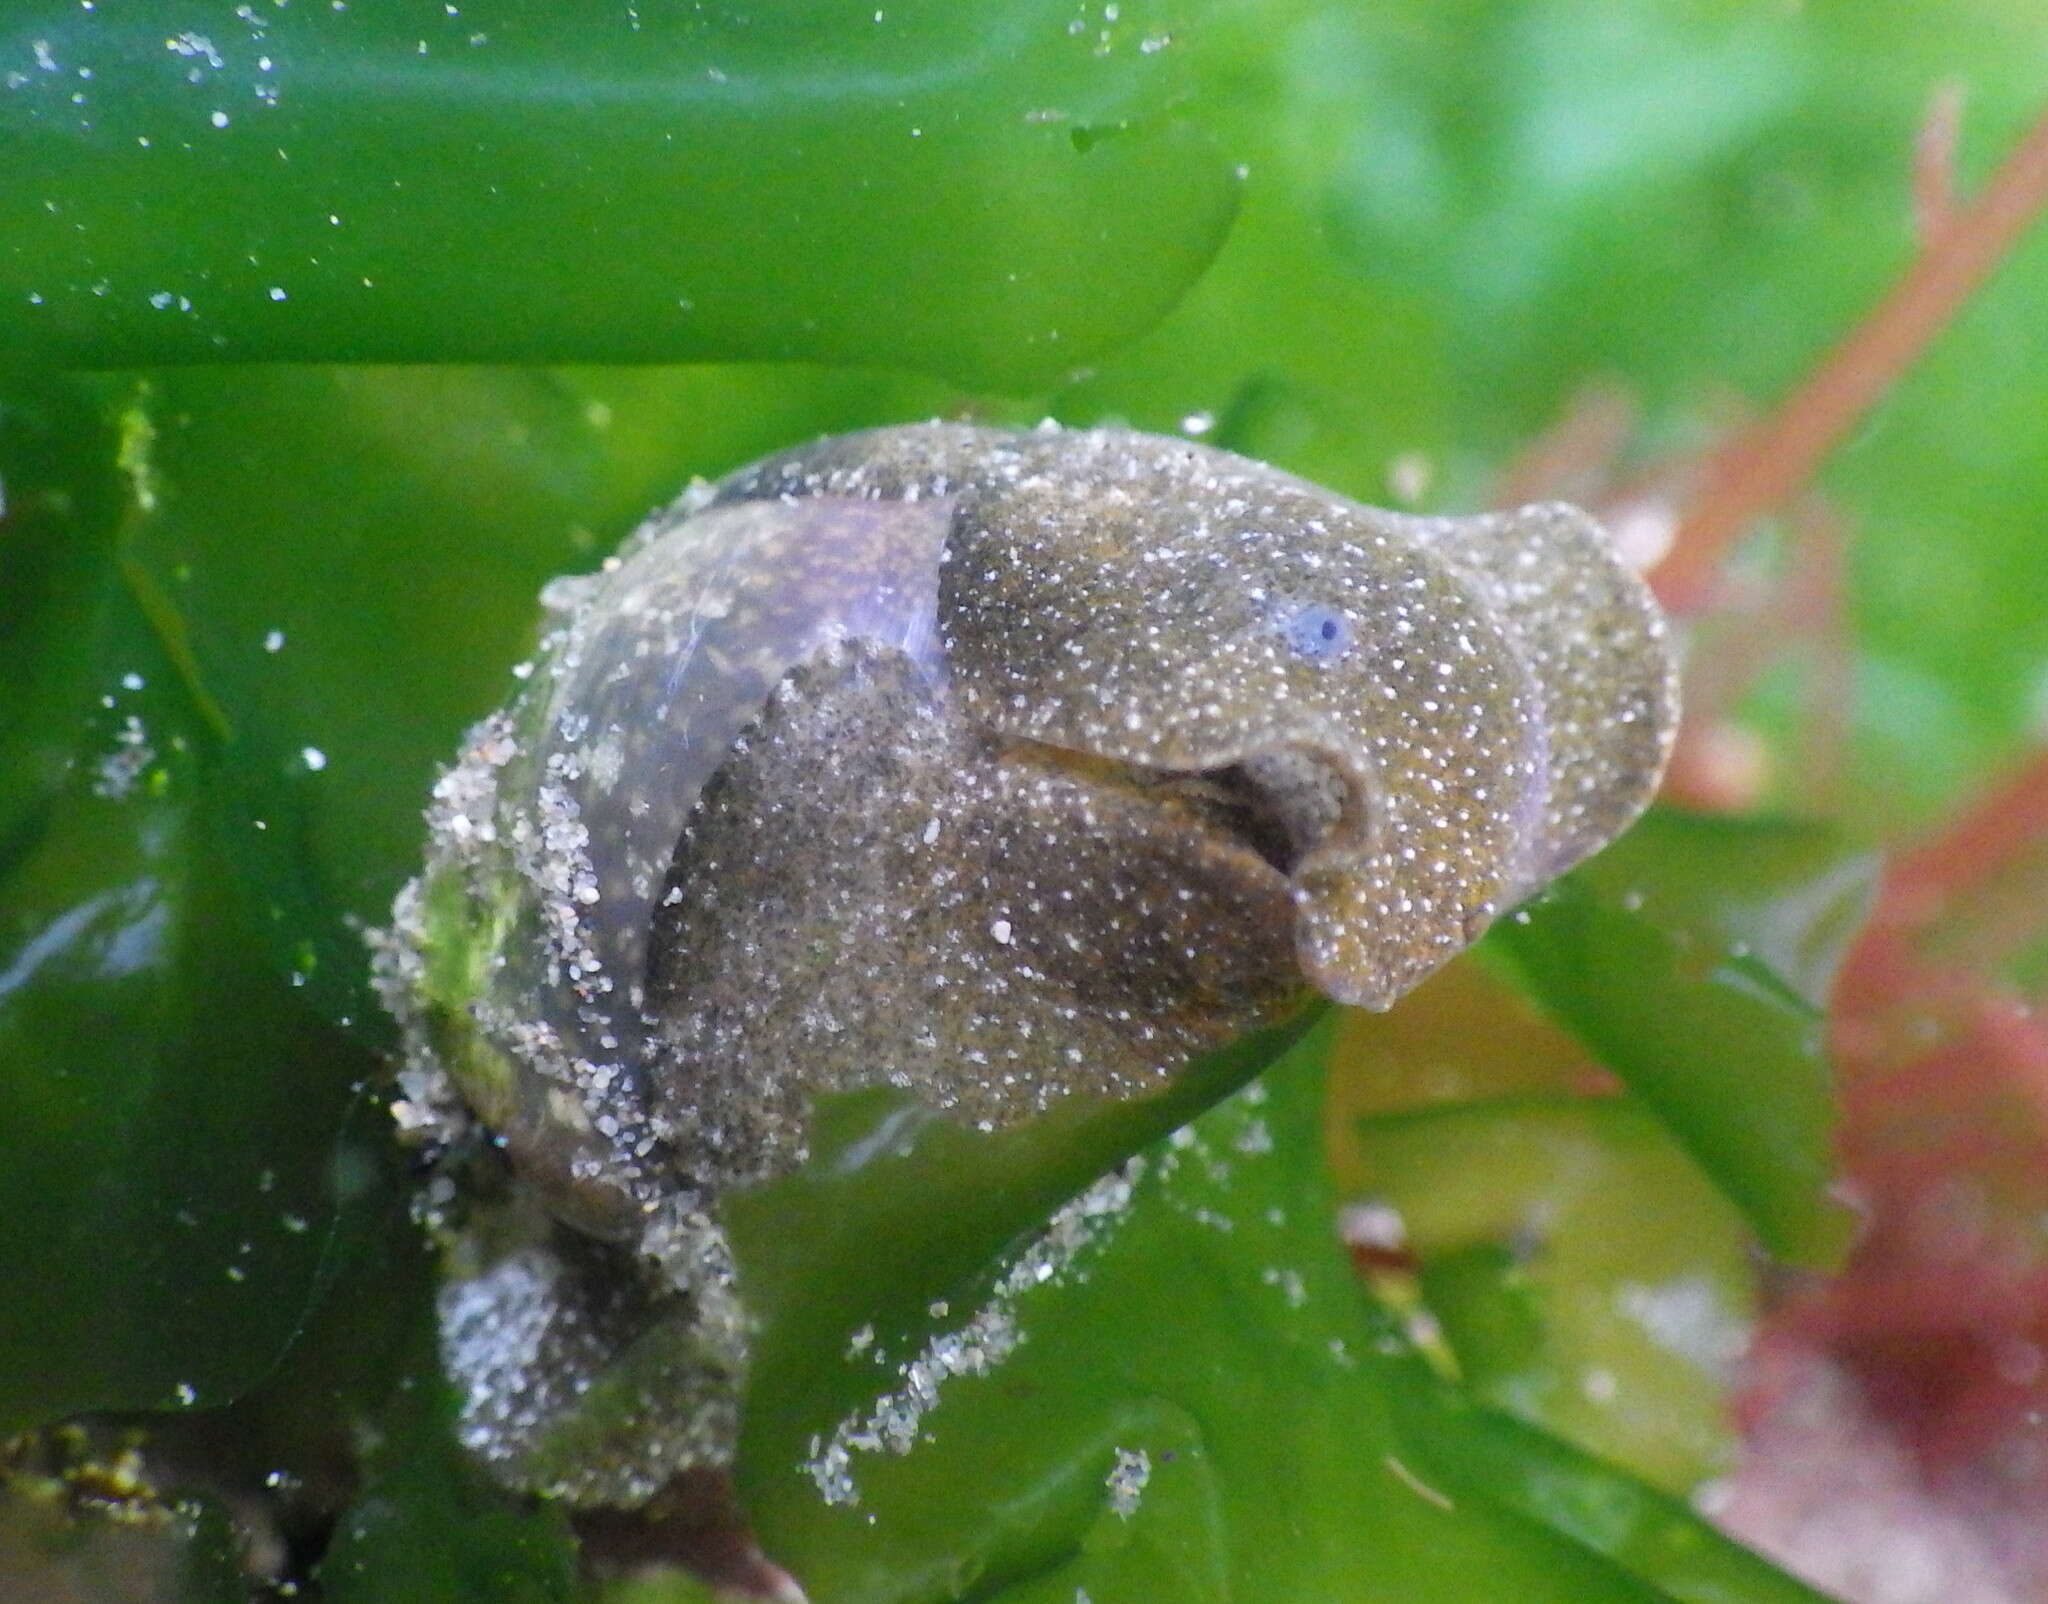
column 143, row 1040
column 992, row 194
column 63, row 498
column 1205, row 1320
column 1563, row 1301
column 1691, row 958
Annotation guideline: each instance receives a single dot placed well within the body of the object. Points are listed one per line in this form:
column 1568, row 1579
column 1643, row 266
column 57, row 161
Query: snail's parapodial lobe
column 1001, row 768
column 1594, row 641
column 881, row 892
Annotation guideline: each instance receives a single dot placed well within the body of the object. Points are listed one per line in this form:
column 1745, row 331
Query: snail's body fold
column 1000, row 768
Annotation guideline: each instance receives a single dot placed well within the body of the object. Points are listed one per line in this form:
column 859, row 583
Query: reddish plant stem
column 1969, row 852
column 1763, row 466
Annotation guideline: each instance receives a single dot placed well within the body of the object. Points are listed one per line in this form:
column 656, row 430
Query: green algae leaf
column 662, row 1587
column 1475, row 1453
column 427, row 1526
column 1692, row 957
column 61, row 496
column 898, row 1209
column 996, row 193
column 185, row 1138
column 1176, row 1389
column 1564, row 1299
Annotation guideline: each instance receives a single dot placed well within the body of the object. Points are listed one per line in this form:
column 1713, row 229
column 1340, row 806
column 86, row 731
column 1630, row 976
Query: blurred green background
column 271, row 539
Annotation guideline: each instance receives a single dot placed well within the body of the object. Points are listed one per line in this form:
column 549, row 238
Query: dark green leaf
column 1205, row 1319
column 61, row 497
column 986, row 192
column 187, row 1142
column 1478, row 1454
column 898, row 1210
column 427, row 1526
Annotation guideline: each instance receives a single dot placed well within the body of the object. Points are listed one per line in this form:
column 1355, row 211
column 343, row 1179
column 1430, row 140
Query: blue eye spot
column 1316, row 632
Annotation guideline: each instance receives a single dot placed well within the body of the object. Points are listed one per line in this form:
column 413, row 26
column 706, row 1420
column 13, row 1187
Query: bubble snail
column 999, row 768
